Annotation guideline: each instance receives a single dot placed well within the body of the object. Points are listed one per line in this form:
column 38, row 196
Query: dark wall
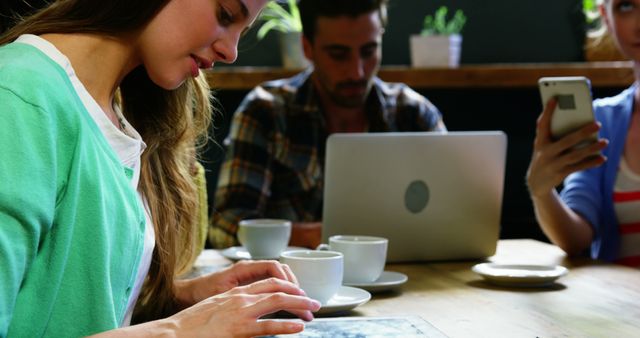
column 496, row 31
column 513, row 111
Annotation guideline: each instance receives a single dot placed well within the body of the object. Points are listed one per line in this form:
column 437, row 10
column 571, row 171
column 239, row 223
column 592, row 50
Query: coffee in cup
column 318, row 272
column 364, row 256
column 264, row 238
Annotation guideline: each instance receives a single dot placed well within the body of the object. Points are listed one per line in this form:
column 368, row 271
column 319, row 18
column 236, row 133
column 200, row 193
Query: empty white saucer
column 520, row 275
column 237, row 253
column 347, row 298
column 388, row 280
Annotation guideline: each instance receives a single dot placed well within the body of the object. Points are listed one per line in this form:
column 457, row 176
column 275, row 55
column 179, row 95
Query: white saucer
column 388, row 280
column 237, row 253
column 520, row 275
column 347, row 298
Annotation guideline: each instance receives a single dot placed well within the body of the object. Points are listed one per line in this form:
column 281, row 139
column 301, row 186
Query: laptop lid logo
column 416, row 196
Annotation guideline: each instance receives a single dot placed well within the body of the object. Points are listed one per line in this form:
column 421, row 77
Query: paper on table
column 369, row 327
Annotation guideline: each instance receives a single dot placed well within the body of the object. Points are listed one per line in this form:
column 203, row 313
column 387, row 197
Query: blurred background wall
column 496, row 31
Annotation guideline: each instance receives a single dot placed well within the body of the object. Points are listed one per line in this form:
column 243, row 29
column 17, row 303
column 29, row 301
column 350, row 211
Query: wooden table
column 593, row 300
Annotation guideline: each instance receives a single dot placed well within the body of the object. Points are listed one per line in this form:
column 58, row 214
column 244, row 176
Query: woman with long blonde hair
column 597, row 213
column 101, row 107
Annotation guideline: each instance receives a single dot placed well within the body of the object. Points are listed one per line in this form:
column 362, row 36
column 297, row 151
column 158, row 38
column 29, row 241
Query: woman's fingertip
column 294, row 327
column 307, row 316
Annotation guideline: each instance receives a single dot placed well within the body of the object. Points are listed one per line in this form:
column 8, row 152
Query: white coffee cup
column 364, row 256
column 318, row 272
column 264, row 238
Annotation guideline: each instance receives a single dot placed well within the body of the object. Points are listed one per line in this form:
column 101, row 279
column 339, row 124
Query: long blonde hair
column 173, row 124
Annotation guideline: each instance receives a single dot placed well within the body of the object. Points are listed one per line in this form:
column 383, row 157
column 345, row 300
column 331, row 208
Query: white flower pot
column 291, row 51
column 435, row 50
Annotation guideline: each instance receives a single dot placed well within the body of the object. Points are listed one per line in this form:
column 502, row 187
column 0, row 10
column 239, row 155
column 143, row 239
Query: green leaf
column 591, row 12
column 438, row 23
column 274, row 16
column 268, row 26
column 295, row 15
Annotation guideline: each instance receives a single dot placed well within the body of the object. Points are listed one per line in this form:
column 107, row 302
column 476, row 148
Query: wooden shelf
column 602, row 74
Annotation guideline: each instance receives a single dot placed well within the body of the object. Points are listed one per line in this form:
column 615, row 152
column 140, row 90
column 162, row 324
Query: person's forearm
column 563, row 226
column 155, row 329
column 184, row 296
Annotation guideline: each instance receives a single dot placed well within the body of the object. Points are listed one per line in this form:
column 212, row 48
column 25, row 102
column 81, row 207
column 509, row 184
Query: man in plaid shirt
column 275, row 148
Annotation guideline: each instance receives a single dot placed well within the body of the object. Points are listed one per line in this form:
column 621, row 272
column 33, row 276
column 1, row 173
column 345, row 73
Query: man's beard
column 350, row 101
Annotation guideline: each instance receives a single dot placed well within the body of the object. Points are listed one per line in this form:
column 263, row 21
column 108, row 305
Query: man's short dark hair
column 311, row 10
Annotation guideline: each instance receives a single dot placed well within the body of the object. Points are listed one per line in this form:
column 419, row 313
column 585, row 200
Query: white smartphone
column 574, row 108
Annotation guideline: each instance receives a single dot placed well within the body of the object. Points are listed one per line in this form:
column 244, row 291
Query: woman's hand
column 235, row 313
column 192, row 291
column 552, row 161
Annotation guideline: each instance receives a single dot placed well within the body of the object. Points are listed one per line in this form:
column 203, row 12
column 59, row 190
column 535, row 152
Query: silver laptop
column 435, row 196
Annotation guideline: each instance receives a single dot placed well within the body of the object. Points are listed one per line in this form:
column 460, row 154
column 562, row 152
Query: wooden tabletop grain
column 594, row 299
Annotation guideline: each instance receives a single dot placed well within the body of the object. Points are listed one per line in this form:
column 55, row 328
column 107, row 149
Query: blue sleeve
column 27, row 193
column 590, row 192
column 583, row 193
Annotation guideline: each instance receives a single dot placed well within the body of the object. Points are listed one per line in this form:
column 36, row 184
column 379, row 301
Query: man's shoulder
column 276, row 96
column 410, row 110
column 398, row 90
column 280, row 88
column 400, row 93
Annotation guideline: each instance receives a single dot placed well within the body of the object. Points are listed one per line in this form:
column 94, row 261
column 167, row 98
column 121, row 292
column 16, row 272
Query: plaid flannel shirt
column 275, row 150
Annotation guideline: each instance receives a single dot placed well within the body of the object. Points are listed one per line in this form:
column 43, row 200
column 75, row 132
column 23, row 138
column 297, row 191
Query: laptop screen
column 435, row 196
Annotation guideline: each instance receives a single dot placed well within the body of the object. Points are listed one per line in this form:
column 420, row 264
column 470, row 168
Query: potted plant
column 288, row 24
column 439, row 43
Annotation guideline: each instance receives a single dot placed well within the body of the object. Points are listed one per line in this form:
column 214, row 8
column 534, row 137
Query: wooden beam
column 602, row 74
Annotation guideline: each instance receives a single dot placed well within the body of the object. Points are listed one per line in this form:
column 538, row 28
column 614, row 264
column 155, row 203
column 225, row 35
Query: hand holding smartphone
column 574, row 108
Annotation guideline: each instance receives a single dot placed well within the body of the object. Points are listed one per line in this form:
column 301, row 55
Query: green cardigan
column 71, row 227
